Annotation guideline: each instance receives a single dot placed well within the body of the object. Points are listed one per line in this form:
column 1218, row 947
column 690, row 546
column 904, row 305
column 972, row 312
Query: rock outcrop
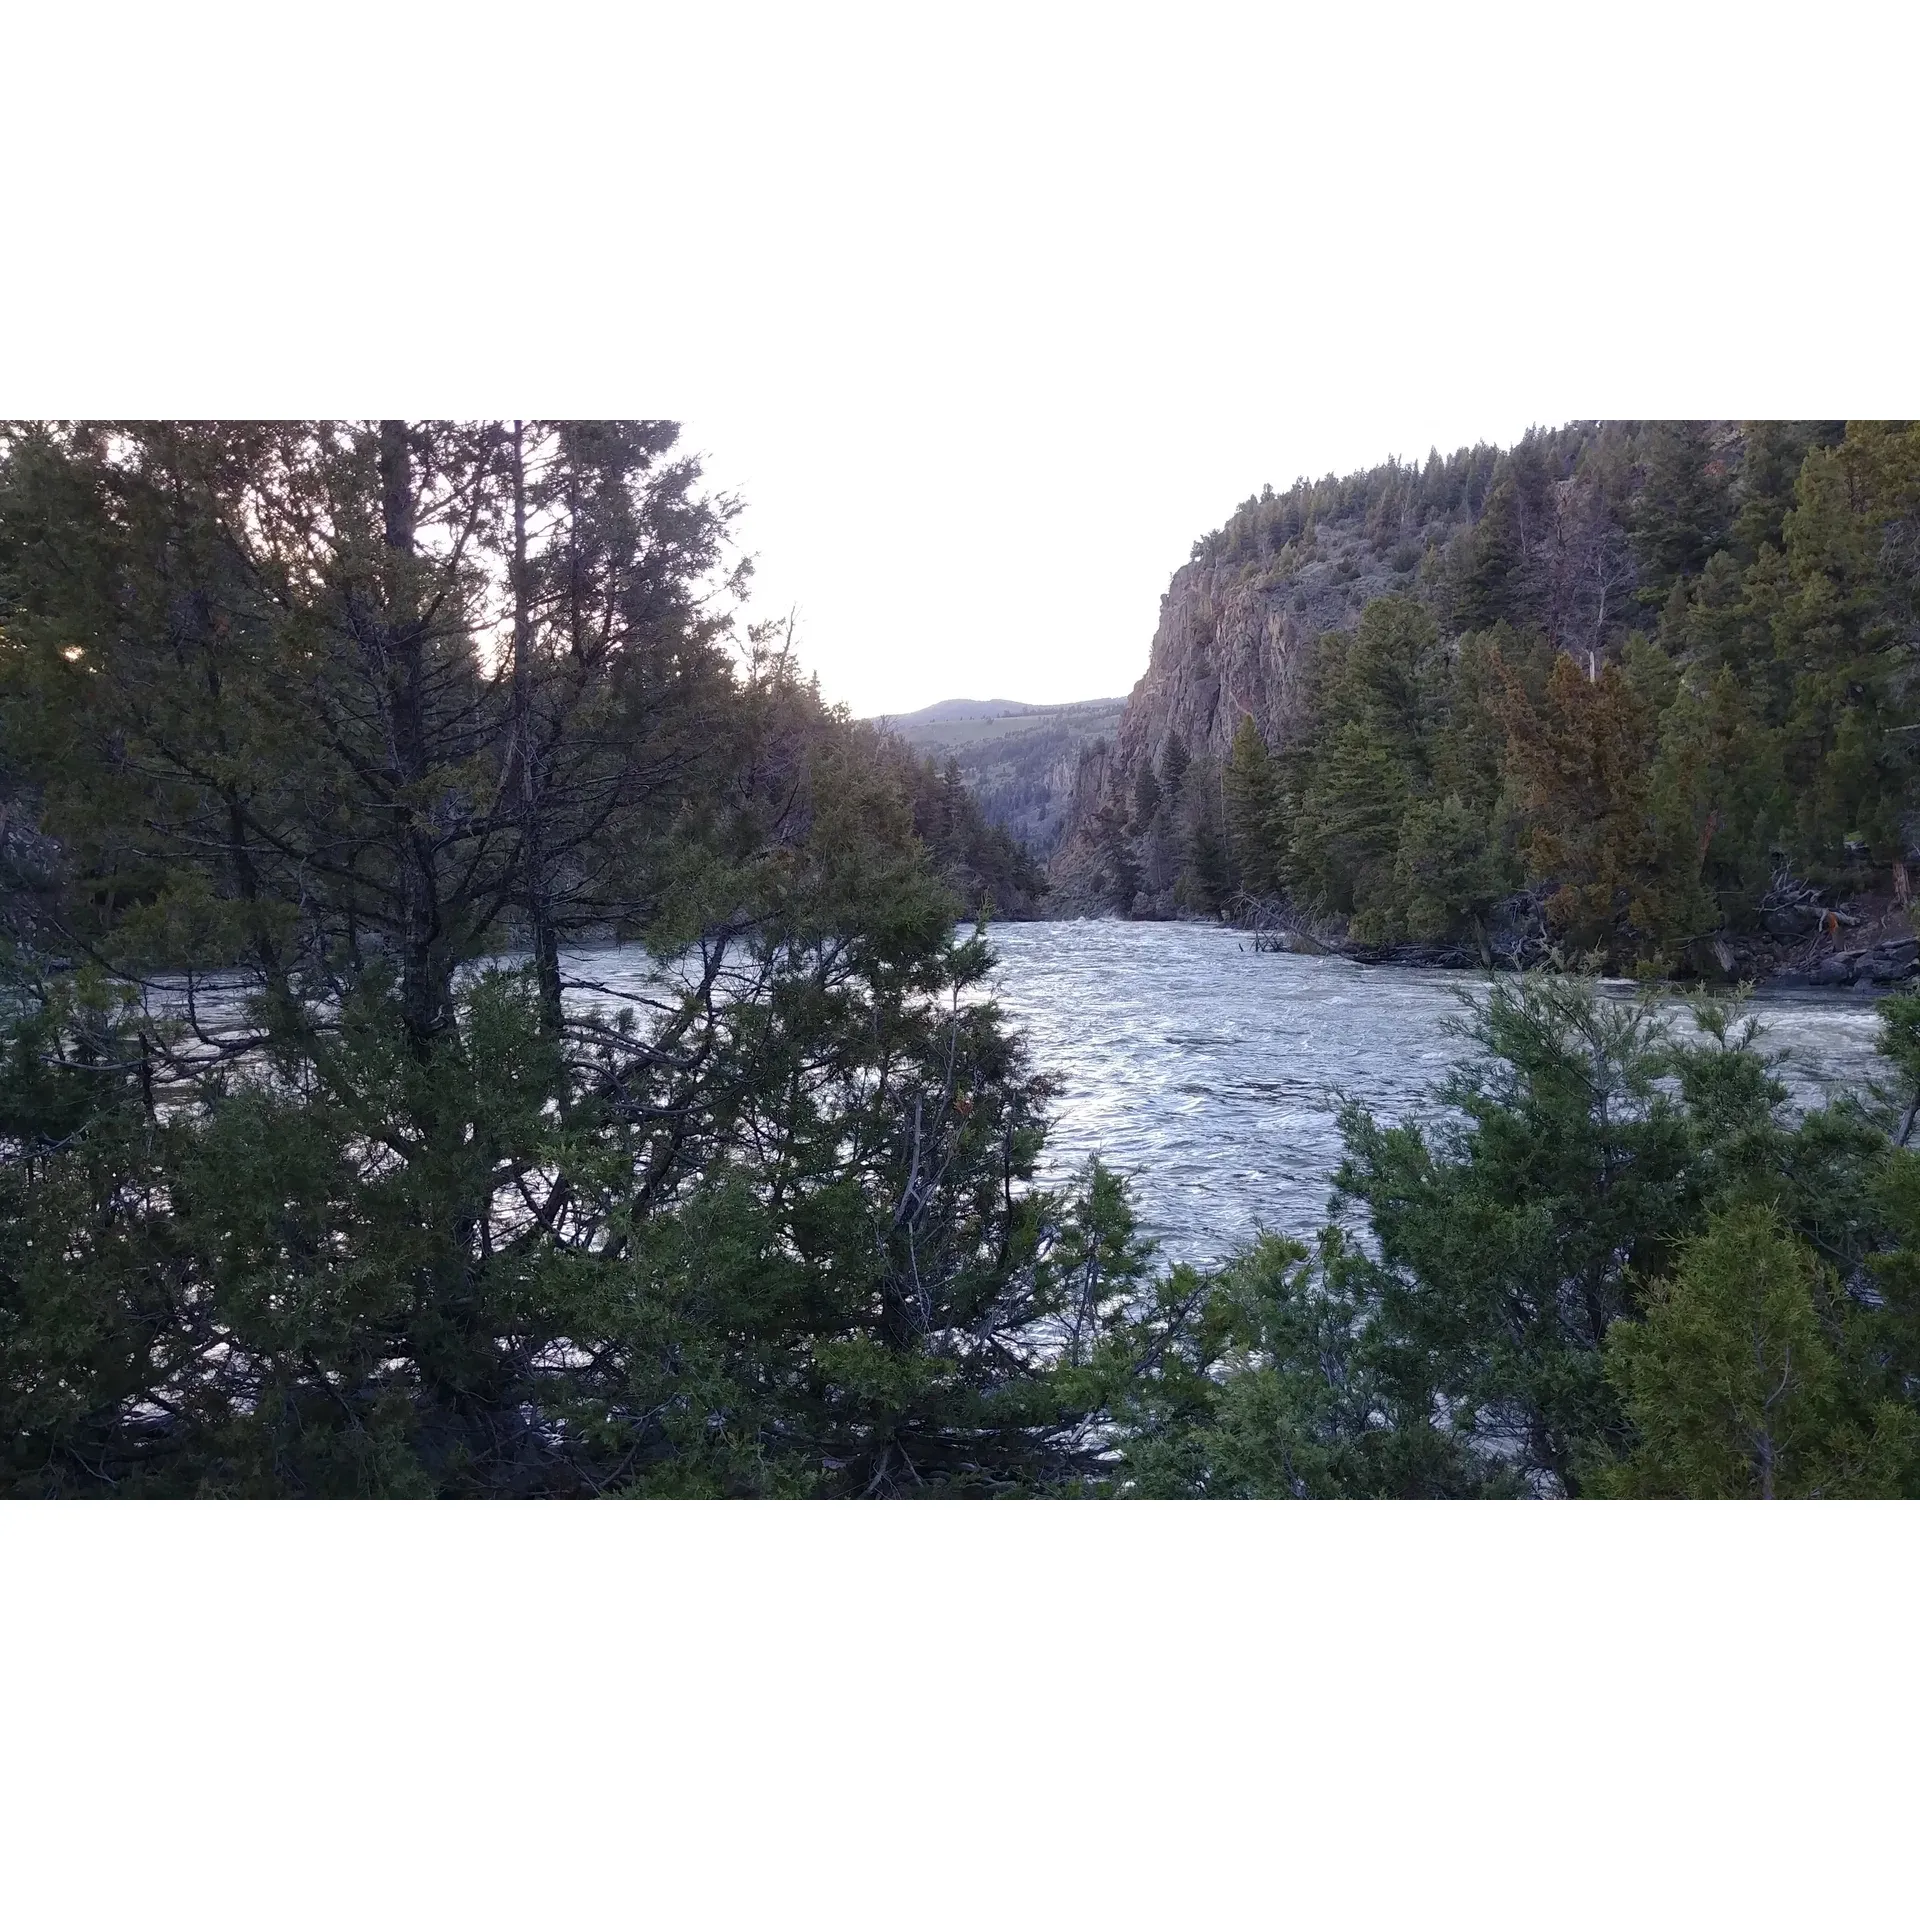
column 1887, row 963
column 1235, row 639
column 1536, row 536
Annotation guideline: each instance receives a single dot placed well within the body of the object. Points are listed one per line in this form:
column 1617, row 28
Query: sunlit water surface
column 1208, row 1073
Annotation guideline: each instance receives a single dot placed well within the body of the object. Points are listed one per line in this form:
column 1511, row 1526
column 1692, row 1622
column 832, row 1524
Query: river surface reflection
column 1208, row 1073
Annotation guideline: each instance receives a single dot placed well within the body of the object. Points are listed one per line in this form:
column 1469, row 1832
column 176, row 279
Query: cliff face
column 1235, row 639
column 1538, row 536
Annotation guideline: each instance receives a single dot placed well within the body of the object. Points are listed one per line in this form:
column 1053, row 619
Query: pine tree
column 1255, row 827
column 1346, row 828
column 1682, row 513
column 1174, row 759
column 1119, row 870
column 1774, row 452
column 1146, row 797
column 387, row 1224
column 1581, row 765
column 1445, row 873
column 1206, row 875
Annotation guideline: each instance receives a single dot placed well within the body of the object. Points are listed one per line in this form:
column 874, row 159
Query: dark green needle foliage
column 1745, row 1377
column 1616, row 1265
column 1643, row 671
column 336, row 753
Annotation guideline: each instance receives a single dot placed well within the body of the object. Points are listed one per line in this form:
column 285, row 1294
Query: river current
column 1208, row 1073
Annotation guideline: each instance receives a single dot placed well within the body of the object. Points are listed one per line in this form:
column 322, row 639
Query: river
column 1208, row 1073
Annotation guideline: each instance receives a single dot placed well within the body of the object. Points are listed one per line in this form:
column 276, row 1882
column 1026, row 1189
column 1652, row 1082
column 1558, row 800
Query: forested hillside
column 984, row 864
column 1641, row 689
column 1020, row 763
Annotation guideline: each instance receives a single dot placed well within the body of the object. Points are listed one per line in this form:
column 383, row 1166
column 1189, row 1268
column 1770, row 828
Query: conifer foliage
column 1617, row 1266
column 1636, row 671
column 328, row 1164
column 334, row 1160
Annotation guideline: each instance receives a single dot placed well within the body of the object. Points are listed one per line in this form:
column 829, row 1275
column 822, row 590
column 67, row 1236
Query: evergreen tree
column 1206, row 878
column 1580, row 762
column 1146, row 797
column 1509, row 1245
column 1119, row 870
column 1503, row 566
column 352, row 708
column 1681, row 515
column 1255, row 825
column 1736, row 1382
column 1272, row 1384
column 1718, row 798
column 1378, row 702
column 984, row 866
column 1620, row 1267
column 1445, row 871
column 1773, row 454
column 1763, row 718
column 1346, row 827
column 1174, row 759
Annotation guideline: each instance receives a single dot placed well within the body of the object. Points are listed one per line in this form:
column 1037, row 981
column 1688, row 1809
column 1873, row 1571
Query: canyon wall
column 1538, row 535
column 1234, row 640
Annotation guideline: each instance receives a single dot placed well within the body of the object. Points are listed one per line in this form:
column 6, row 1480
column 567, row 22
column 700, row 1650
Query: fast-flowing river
column 1208, row 1073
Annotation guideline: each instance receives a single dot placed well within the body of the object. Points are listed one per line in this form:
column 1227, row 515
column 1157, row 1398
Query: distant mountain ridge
column 947, row 713
column 1019, row 760
column 942, row 710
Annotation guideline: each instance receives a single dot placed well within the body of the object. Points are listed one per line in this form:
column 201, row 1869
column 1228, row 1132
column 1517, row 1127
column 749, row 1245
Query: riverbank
column 1866, row 944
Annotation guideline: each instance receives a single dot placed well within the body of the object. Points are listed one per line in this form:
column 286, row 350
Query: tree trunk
column 537, row 892
column 424, row 997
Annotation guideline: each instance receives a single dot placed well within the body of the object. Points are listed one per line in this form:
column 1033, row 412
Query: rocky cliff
column 1235, row 638
column 1537, row 535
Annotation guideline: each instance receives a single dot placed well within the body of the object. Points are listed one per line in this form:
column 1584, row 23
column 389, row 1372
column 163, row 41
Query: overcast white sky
column 987, row 312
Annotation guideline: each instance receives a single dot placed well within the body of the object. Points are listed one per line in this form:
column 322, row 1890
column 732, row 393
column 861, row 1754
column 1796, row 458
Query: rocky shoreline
column 1888, row 963
column 1866, row 945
